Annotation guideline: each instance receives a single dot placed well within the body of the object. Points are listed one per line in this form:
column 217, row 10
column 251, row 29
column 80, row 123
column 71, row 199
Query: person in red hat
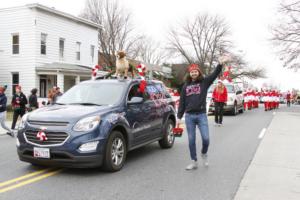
column 193, row 105
column 18, row 103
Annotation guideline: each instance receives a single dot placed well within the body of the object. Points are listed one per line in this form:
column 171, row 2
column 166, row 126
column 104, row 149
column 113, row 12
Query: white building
column 41, row 47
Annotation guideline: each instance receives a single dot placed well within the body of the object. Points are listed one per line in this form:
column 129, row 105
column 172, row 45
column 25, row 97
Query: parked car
column 96, row 123
column 235, row 101
column 297, row 100
column 281, row 99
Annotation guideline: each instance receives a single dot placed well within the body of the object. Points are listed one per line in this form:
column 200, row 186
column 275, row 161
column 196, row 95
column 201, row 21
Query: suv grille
column 42, row 123
column 53, row 138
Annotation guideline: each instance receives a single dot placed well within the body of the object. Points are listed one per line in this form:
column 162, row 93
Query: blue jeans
column 200, row 120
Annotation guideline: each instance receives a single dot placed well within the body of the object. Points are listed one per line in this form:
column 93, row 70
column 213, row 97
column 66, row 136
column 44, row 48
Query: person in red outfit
column 288, row 99
column 245, row 100
column 220, row 98
column 273, row 96
column 257, row 97
column 277, row 99
column 254, row 99
column 269, row 100
column 250, row 99
column 265, row 99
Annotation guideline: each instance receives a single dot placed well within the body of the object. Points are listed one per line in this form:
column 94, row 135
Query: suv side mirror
column 239, row 92
column 135, row 100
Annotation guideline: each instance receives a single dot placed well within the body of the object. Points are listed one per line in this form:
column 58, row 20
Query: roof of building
column 64, row 14
column 58, row 13
column 63, row 67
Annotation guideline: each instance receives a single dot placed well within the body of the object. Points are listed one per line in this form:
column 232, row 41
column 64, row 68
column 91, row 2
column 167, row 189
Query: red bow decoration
column 95, row 70
column 142, row 72
column 143, row 85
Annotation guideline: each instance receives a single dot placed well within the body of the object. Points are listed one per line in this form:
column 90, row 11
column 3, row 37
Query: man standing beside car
column 193, row 105
column 220, row 98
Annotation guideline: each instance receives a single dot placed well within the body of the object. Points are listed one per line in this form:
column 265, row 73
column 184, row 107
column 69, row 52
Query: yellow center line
column 23, row 177
column 43, row 176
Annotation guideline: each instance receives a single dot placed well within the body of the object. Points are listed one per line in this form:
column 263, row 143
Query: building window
column 92, row 52
column 43, row 43
column 78, row 50
column 15, row 44
column 61, row 48
column 15, row 81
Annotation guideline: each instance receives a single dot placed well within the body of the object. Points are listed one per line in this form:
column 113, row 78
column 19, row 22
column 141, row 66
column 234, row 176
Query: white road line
column 262, row 133
column 274, row 113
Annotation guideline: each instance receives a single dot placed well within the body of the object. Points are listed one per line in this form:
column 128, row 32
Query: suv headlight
column 87, row 124
column 23, row 121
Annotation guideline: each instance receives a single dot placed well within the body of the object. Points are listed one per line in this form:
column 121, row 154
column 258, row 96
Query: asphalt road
column 150, row 173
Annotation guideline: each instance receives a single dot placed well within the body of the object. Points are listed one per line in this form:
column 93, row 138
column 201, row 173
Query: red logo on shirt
column 193, row 89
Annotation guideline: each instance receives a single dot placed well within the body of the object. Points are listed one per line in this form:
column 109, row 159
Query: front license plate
column 41, row 152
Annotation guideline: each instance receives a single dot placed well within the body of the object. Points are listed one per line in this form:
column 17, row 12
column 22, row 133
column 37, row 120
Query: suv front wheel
column 168, row 136
column 115, row 153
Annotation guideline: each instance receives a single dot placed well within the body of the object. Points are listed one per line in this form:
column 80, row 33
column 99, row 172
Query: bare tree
column 200, row 40
column 286, row 34
column 151, row 51
column 241, row 68
column 117, row 32
column 203, row 39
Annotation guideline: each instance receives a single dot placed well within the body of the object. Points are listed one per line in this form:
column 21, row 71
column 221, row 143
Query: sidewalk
column 274, row 173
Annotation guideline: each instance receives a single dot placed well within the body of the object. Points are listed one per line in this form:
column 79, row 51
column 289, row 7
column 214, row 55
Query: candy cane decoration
column 41, row 136
column 95, row 70
column 142, row 72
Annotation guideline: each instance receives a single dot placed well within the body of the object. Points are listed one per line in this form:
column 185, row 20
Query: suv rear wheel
column 168, row 139
column 115, row 153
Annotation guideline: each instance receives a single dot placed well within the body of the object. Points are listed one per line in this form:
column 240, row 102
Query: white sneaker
column 193, row 165
column 204, row 159
column 216, row 124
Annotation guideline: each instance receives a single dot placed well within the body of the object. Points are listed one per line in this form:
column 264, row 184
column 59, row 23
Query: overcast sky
column 249, row 21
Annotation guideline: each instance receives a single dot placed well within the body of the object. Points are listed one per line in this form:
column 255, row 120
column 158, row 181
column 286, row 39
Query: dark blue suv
column 96, row 123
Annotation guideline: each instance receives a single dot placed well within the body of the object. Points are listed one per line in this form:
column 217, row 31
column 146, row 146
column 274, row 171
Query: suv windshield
column 230, row 88
column 93, row 94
